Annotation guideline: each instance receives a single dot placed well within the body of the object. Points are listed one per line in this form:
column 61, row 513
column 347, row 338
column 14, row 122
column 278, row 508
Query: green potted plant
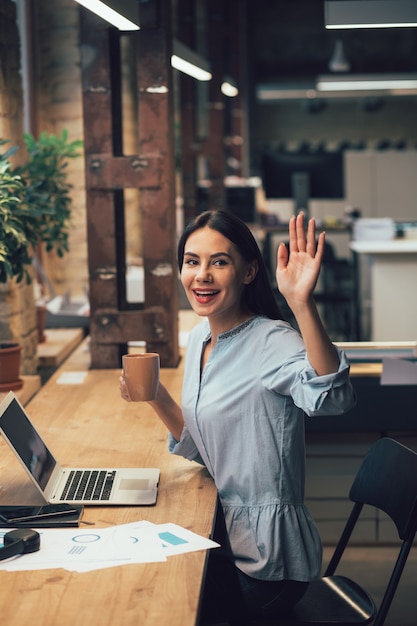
column 35, row 202
column 47, row 190
column 47, row 197
column 16, row 247
column 35, row 205
column 17, row 237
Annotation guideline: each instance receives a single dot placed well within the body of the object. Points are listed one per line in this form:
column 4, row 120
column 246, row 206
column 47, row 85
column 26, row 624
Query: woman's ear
column 251, row 272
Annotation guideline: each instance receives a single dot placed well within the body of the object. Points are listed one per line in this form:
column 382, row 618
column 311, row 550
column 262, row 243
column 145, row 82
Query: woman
column 249, row 380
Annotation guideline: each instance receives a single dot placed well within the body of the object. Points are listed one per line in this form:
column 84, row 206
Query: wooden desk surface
column 366, row 369
column 88, row 424
column 31, row 386
column 59, row 343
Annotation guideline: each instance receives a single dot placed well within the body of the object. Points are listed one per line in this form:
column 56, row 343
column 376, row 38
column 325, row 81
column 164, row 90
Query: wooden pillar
column 114, row 321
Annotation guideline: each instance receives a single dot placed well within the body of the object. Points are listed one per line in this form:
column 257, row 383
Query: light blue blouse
column 244, row 420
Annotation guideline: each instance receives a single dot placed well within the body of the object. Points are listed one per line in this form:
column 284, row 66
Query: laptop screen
column 27, row 443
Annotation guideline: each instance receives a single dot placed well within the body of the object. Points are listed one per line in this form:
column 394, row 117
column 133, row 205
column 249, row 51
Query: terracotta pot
column 10, row 354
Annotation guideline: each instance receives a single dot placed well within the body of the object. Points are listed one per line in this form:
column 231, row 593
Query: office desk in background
column 393, row 270
column 336, row 444
column 85, row 425
column 381, row 409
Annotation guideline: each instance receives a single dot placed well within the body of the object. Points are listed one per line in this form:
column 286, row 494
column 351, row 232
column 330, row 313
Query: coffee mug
column 141, row 373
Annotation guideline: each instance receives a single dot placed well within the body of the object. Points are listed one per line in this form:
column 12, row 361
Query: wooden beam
column 104, row 171
column 115, row 322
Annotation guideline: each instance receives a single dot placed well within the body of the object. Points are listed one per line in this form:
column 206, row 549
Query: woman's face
column 214, row 274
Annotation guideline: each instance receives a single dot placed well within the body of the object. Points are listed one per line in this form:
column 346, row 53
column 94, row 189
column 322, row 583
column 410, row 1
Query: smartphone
column 31, row 514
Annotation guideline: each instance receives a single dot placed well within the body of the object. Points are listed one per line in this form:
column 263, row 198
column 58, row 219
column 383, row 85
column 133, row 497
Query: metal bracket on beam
column 105, row 171
column 111, row 326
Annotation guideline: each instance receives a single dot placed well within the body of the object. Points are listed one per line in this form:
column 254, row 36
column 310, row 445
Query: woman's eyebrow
column 217, row 254
column 212, row 256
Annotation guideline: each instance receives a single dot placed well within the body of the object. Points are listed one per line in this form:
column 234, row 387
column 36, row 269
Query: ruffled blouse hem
column 274, row 541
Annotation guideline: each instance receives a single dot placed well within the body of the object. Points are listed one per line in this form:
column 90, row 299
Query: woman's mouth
column 203, row 297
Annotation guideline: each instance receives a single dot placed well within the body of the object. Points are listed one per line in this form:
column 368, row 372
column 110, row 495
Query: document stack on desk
column 84, row 550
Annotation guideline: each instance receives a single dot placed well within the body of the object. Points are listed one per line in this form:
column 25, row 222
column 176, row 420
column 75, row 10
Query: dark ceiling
column 288, row 40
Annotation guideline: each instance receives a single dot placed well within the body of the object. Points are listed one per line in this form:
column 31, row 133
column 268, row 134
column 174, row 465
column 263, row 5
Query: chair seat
column 333, row 600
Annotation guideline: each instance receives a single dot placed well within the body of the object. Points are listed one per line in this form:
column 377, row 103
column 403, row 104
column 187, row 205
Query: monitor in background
column 241, row 202
column 303, row 175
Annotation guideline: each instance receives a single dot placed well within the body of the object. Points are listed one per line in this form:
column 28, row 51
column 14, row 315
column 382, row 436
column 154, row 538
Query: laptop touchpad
column 134, row 484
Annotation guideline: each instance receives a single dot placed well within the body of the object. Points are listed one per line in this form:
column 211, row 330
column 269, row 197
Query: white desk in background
column 393, row 283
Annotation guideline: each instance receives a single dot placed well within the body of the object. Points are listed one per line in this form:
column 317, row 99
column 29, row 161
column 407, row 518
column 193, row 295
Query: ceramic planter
column 10, row 354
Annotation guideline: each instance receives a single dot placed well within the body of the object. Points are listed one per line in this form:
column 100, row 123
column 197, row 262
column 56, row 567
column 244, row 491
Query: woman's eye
column 190, row 262
column 219, row 262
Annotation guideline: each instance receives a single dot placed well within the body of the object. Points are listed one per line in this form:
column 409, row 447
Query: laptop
column 86, row 486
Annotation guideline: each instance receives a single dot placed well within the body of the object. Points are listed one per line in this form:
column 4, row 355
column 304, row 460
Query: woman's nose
column 203, row 273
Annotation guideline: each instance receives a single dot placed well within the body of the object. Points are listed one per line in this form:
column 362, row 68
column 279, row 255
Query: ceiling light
column 124, row 14
column 229, row 88
column 339, row 62
column 157, row 89
column 370, row 13
column 273, row 92
column 186, row 60
column 366, row 82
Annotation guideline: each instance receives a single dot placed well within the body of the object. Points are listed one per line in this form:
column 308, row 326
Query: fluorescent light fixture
column 186, row 60
column 124, row 14
column 366, row 82
column 229, row 88
column 274, row 92
column 370, row 13
column 339, row 86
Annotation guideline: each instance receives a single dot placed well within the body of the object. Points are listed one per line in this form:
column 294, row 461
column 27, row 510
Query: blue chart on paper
column 172, row 539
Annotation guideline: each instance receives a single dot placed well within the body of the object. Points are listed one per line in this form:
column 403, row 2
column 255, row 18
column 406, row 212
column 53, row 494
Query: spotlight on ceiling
column 229, row 87
column 338, row 61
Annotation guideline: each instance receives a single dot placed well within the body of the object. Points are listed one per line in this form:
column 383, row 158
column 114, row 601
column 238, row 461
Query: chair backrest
column 387, row 479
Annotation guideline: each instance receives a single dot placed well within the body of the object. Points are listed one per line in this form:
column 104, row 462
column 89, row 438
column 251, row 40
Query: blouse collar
column 233, row 331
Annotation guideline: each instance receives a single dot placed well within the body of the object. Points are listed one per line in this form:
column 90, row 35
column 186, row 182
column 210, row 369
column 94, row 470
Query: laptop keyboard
column 88, row 485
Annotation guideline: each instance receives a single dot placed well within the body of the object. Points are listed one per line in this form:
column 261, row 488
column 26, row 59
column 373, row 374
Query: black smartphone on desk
column 41, row 516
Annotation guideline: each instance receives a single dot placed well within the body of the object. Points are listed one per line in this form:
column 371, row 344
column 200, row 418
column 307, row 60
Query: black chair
column 387, row 480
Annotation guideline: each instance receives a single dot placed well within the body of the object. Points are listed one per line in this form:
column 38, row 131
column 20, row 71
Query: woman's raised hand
column 298, row 271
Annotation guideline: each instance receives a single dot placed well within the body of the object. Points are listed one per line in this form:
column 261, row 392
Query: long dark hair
column 258, row 297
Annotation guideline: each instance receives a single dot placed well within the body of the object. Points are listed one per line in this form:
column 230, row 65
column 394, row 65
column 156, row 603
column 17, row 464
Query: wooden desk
column 31, row 385
column 89, row 424
column 379, row 408
column 59, row 343
column 394, row 301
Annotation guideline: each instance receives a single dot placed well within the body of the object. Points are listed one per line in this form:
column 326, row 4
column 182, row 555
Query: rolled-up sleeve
column 287, row 371
column 184, row 447
column 332, row 394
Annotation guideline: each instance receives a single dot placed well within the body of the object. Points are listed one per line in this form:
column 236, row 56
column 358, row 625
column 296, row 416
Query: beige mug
column 141, row 373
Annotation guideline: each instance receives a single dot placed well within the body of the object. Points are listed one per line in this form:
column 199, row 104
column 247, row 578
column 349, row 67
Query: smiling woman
column 239, row 247
column 214, row 276
column 249, row 379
